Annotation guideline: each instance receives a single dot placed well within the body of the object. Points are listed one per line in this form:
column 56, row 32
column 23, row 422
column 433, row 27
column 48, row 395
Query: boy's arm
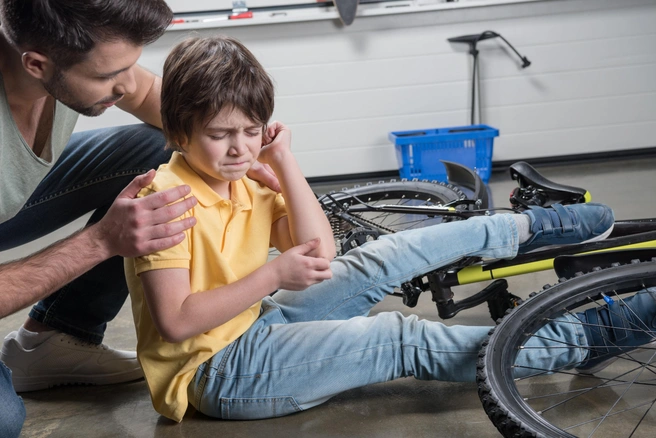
column 178, row 314
column 305, row 218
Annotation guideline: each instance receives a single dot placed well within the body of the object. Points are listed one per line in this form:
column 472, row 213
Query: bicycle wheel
column 617, row 401
column 408, row 193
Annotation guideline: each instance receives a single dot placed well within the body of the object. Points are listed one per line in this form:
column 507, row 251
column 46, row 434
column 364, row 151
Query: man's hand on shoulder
column 138, row 226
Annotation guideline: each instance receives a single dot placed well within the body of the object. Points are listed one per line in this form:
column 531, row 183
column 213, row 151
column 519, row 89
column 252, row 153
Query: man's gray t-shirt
column 20, row 169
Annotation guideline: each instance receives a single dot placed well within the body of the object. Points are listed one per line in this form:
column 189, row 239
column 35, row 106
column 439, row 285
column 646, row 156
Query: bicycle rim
column 408, row 193
column 618, row 401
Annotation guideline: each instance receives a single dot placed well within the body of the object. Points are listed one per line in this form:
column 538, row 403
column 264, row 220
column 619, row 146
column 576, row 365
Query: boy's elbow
column 330, row 253
column 171, row 333
column 327, row 249
column 172, row 338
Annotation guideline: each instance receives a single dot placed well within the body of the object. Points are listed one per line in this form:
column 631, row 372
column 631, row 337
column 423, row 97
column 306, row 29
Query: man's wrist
column 97, row 242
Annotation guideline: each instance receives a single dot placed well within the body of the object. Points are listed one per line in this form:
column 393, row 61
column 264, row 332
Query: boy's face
column 225, row 149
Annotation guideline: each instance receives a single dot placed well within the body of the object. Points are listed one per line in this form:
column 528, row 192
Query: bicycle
column 590, row 274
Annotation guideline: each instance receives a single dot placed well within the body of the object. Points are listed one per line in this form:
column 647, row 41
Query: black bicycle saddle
column 529, row 178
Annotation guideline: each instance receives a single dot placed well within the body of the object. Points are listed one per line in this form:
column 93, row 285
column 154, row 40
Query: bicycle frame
column 628, row 237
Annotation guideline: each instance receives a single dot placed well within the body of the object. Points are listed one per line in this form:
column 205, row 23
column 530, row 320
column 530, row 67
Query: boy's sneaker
column 619, row 327
column 61, row 359
column 566, row 224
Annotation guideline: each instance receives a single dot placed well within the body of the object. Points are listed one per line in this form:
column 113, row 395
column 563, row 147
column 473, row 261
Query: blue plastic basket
column 419, row 152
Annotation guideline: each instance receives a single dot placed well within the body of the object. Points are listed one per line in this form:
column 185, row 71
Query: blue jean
column 93, row 169
column 309, row 346
column 12, row 409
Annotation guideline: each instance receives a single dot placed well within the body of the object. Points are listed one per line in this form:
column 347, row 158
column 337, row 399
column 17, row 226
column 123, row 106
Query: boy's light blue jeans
column 309, row 346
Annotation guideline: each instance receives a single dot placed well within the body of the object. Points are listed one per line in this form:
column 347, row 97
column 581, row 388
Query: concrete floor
column 405, row 407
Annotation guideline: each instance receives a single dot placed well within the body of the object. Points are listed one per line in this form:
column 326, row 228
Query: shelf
column 261, row 16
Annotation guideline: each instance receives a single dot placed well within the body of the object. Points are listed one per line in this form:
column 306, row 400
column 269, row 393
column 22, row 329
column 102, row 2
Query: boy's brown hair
column 202, row 76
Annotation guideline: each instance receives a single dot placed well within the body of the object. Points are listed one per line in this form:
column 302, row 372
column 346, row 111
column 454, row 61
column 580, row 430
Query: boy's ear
column 265, row 136
column 183, row 143
column 38, row 65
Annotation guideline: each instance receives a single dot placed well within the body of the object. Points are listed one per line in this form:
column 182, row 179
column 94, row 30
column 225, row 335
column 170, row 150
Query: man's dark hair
column 67, row 30
column 203, row 76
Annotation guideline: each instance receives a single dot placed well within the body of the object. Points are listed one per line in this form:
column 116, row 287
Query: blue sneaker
column 566, row 224
column 617, row 328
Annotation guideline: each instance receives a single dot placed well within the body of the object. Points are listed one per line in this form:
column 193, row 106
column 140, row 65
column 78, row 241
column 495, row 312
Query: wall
column 591, row 88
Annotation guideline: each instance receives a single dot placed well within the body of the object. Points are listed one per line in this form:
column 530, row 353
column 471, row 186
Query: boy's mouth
column 239, row 164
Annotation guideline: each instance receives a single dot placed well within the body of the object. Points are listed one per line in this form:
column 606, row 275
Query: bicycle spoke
column 592, row 420
column 642, row 418
column 587, row 390
column 555, row 394
column 618, row 400
column 621, row 396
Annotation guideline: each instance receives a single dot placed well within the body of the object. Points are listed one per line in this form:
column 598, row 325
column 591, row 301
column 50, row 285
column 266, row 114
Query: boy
column 210, row 334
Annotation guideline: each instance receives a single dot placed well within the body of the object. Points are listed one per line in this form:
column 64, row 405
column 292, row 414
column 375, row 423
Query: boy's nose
column 238, row 146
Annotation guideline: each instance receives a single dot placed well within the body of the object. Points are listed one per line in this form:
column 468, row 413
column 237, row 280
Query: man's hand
column 138, row 226
column 264, row 174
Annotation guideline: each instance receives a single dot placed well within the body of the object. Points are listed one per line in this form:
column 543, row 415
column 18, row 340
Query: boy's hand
column 276, row 143
column 298, row 271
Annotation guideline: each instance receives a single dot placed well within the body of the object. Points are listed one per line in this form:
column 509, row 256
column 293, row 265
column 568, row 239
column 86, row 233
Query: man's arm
column 145, row 102
column 26, row 281
column 132, row 226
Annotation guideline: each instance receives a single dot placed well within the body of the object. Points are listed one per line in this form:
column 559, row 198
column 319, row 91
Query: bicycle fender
column 568, row 266
column 463, row 176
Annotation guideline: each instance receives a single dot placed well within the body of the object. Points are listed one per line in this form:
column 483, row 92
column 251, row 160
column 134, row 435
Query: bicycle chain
column 339, row 232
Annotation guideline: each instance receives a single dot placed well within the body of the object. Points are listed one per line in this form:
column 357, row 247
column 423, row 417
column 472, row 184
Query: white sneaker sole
column 601, row 236
column 27, row 384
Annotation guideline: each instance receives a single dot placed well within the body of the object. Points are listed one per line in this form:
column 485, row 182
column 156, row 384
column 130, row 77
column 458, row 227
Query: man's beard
column 59, row 89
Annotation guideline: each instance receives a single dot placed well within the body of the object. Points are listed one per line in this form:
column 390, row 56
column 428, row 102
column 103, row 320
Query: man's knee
column 144, row 143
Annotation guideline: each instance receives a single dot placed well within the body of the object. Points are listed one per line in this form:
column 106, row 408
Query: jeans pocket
column 257, row 408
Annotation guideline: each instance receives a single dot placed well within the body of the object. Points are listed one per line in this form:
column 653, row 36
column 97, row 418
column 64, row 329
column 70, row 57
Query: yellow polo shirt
column 229, row 241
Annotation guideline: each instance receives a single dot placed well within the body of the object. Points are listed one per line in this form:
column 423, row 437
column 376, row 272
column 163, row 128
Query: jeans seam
column 83, row 185
column 358, row 294
column 200, row 389
column 220, row 369
column 60, row 325
column 296, row 365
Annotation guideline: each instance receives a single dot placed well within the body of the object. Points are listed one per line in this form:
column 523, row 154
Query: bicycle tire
column 533, row 406
column 396, row 193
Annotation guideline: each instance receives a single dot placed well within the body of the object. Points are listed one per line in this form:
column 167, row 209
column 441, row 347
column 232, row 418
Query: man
column 59, row 59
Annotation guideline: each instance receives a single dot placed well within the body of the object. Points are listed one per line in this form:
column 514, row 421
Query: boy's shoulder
column 168, row 175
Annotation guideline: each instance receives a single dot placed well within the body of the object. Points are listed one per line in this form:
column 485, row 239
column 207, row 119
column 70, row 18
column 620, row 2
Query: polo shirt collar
column 204, row 193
